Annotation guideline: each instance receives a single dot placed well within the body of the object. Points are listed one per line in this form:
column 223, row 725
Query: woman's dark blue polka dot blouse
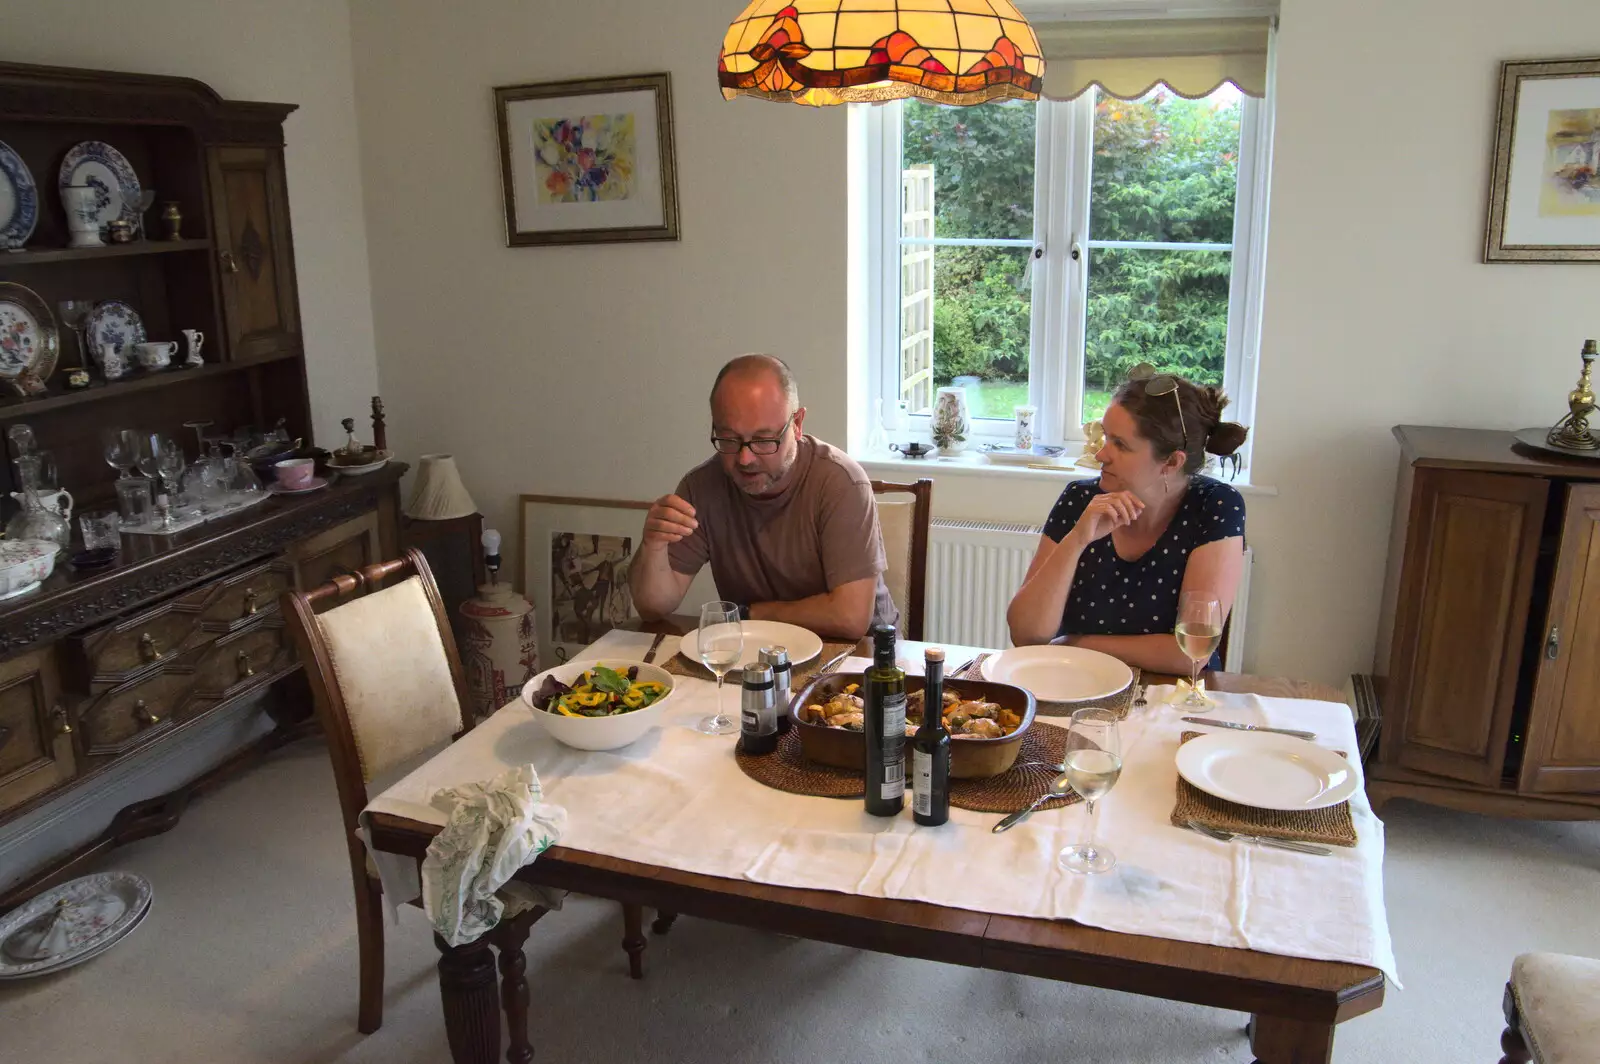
column 1111, row 596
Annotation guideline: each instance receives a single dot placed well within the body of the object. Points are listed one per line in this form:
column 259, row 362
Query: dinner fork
column 1279, row 844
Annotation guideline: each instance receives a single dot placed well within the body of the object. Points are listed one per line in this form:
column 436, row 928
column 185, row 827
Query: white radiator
column 974, row 568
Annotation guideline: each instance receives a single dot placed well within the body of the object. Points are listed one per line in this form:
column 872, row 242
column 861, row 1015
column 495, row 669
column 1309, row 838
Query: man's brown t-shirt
column 821, row 532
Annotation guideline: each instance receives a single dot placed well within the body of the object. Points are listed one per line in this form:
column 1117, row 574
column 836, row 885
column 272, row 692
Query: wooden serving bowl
column 969, row 758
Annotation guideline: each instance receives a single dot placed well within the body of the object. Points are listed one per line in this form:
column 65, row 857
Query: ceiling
column 1049, row 10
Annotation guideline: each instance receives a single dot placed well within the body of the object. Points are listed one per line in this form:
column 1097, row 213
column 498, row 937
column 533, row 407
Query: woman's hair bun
column 1227, row 437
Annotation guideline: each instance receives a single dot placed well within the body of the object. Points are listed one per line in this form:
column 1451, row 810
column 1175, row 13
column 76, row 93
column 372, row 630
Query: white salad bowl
column 600, row 733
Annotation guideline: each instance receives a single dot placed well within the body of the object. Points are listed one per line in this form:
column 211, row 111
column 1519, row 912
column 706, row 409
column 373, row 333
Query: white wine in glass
column 1199, row 631
column 1094, row 764
column 721, row 642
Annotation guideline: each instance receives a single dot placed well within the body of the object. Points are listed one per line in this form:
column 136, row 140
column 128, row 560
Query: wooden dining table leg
column 1279, row 1040
column 633, row 939
column 471, row 1004
column 510, row 937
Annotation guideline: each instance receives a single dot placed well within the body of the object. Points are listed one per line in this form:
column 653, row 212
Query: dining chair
column 388, row 688
column 1552, row 1008
column 905, row 523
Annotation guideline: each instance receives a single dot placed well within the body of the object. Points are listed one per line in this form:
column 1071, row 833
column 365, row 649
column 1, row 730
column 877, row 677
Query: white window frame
column 1058, row 274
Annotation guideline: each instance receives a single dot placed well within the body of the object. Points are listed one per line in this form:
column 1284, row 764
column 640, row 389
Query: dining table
column 1191, row 920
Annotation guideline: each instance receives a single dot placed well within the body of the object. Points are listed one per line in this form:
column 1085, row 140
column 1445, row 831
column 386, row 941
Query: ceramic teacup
column 155, row 355
column 295, row 473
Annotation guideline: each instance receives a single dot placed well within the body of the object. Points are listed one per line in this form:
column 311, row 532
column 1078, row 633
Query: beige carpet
column 249, row 955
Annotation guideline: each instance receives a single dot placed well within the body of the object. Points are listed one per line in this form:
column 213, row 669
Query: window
column 1033, row 253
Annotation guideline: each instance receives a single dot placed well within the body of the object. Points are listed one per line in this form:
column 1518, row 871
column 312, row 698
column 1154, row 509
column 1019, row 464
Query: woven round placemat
column 1331, row 825
column 1118, row 703
column 786, row 769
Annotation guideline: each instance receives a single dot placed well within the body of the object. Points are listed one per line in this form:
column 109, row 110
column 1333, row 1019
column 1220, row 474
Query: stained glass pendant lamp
column 864, row 51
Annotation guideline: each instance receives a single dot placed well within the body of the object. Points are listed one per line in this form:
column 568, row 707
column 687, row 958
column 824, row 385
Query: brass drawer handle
column 246, row 670
column 142, row 715
column 59, row 715
column 148, row 649
column 250, row 604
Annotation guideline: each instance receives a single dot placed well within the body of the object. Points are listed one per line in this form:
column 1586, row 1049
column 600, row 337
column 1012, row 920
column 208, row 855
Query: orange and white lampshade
column 864, row 51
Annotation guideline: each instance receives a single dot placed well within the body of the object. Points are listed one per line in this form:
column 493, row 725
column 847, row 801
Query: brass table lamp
column 1573, row 431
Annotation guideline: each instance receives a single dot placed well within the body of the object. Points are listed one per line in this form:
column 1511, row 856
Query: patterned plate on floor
column 71, row 923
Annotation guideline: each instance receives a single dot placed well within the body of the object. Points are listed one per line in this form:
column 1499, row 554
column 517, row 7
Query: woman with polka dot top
column 1117, row 551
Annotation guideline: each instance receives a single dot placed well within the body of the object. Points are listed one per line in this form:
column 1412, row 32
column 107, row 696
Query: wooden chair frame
column 300, row 608
column 913, row 612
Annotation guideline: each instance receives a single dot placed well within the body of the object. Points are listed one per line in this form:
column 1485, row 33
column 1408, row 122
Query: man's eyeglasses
column 1161, row 384
column 760, row 445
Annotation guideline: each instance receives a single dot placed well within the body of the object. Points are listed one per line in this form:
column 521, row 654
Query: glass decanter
column 36, row 519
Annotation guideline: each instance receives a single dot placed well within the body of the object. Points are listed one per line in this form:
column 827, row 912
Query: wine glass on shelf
column 1093, row 761
column 122, row 451
column 1199, row 631
column 147, row 199
column 720, row 641
column 74, row 312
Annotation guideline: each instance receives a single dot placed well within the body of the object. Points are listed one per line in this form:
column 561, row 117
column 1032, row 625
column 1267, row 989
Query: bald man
column 788, row 523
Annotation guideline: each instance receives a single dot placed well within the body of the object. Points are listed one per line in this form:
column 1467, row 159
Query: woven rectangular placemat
column 1118, row 703
column 1331, row 825
column 678, row 665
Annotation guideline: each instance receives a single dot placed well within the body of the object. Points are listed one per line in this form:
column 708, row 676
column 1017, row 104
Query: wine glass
column 721, row 641
column 1199, row 631
column 1094, row 761
column 122, row 451
column 147, row 199
column 75, row 312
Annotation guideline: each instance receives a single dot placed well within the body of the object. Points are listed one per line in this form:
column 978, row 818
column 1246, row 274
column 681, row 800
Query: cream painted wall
column 285, row 51
column 584, row 370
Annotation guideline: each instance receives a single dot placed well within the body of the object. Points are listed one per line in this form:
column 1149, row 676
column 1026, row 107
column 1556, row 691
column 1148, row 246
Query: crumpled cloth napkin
column 494, row 829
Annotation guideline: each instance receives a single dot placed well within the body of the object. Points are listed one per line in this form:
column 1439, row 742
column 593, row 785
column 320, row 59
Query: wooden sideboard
column 101, row 667
column 1488, row 657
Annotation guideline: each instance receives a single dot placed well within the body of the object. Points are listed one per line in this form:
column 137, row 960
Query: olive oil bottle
column 885, row 719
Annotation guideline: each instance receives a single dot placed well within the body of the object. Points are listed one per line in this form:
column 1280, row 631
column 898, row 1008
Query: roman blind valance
column 1127, row 58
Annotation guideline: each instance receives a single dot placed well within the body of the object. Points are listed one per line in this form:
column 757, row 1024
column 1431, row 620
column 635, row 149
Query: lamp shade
column 438, row 494
column 833, row 51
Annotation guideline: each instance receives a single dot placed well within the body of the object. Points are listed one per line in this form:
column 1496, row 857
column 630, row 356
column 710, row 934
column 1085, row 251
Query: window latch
column 1076, row 252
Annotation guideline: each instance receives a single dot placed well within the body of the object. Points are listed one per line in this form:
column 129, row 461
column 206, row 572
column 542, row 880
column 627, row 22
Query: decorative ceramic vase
column 82, row 203
column 499, row 648
column 950, row 423
column 193, row 338
column 1025, row 416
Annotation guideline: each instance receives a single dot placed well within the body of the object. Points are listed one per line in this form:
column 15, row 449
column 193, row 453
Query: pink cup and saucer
column 296, row 476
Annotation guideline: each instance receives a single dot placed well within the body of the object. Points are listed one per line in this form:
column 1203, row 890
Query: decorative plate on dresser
column 114, row 322
column 19, row 200
column 103, row 168
column 29, row 342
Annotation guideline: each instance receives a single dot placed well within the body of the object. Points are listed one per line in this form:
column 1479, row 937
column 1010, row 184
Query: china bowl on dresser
column 24, row 563
column 600, row 733
column 970, row 758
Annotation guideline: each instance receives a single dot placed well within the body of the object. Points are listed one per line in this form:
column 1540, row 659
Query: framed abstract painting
column 1544, row 192
column 588, row 161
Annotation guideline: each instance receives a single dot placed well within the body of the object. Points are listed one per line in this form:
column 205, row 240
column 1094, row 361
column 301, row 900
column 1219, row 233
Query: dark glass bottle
column 930, row 749
column 758, row 717
column 885, row 721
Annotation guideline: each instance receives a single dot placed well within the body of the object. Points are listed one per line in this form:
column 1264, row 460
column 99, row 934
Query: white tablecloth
column 677, row 798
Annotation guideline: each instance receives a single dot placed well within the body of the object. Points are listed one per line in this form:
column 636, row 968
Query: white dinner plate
column 801, row 644
column 1267, row 770
column 1059, row 673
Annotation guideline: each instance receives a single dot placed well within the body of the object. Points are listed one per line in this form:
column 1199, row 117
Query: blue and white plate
column 19, row 199
column 114, row 322
column 102, row 167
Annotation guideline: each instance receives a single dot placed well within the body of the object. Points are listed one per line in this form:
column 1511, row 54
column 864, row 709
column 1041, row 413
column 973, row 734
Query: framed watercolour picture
column 1544, row 191
column 575, row 555
column 588, row 161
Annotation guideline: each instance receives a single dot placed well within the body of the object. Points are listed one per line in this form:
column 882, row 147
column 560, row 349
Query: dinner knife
column 1251, row 727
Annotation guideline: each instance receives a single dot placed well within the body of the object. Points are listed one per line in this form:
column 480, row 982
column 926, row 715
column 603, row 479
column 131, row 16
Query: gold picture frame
column 1544, row 185
column 588, row 161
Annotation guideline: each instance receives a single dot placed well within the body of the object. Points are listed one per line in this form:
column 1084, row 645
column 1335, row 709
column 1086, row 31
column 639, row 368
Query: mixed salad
column 599, row 692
